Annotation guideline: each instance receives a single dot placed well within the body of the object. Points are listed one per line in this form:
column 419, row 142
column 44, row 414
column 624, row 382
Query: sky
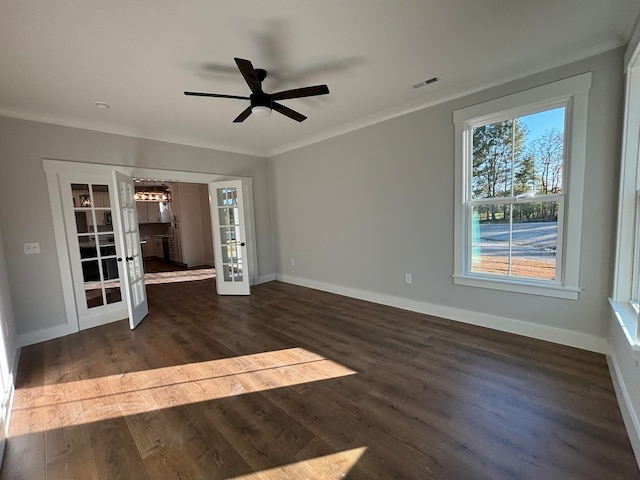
column 539, row 122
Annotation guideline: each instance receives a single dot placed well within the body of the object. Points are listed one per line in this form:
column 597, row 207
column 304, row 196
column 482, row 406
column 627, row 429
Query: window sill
column 531, row 288
column 626, row 317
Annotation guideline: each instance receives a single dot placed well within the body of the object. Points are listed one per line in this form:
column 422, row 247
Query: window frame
column 573, row 94
column 627, row 259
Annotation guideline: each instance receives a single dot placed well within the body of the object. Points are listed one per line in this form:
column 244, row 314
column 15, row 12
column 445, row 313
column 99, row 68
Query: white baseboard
column 265, row 278
column 43, row 335
column 542, row 332
column 629, row 415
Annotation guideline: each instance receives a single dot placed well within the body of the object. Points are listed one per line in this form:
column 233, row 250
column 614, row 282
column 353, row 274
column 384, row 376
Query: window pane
column 524, row 155
column 535, row 240
column 489, row 242
column 523, row 242
column 494, row 147
column 542, row 165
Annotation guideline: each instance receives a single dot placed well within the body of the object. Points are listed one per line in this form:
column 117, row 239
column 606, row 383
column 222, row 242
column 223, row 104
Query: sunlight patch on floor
column 179, row 276
column 328, row 467
column 73, row 403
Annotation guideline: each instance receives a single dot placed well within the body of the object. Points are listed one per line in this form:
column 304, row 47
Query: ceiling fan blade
column 249, row 74
column 243, row 116
column 217, row 95
column 301, row 92
column 288, row 112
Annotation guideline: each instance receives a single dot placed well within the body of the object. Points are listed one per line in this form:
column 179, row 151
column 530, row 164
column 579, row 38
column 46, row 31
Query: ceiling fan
column 262, row 103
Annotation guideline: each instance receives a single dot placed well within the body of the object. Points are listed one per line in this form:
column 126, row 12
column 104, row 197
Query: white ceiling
column 59, row 57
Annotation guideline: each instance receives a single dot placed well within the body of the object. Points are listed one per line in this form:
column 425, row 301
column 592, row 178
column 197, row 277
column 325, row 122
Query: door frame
column 54, row 169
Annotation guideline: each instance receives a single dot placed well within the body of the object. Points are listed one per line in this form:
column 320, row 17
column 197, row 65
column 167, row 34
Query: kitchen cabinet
column 147, row 248
column 153, row 212
column 143, row 217
column 153, row 247
column 175, row 244
column 158, row 212
column 157, row 246
column 174, row 206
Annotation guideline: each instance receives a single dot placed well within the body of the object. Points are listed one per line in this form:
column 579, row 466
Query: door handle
column 119, row 259
column 242, row 244
column 129, row 259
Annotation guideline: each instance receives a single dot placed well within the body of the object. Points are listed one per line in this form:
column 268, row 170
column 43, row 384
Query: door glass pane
column 137, row 292
column 227, row 271
column 238, row 272
column 90, row 271
column 224, row 216
column 84, row 221
column 93, row 294
column 107, row 245
column 112, row 291
column 104, row 220
column 110, row 269
column 101, row 196
column 78, row 189
column 87, row 244
column 225, row 236
column 225, row 254
column 226, row 197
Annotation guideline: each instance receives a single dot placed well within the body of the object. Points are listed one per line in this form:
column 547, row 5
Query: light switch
column 30, row 248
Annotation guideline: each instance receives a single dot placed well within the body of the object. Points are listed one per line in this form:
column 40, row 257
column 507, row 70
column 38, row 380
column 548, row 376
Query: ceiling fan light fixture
column 261, row 111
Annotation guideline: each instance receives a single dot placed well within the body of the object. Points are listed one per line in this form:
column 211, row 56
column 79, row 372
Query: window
column 520, row 171
column 626, row 290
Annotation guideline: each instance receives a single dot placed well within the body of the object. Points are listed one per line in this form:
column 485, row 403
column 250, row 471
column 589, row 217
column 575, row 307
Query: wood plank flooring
column 293, row 383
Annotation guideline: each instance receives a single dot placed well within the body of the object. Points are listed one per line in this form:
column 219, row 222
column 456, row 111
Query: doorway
column 59, row 174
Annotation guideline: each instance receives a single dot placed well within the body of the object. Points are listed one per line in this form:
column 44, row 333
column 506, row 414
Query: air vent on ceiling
column 426, row 82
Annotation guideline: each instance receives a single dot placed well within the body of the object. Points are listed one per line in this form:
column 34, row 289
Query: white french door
column 93, row 251
column 230, row 250
column 129, row 239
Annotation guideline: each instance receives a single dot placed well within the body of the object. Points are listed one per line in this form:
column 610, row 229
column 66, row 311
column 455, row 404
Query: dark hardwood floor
column 293, row 383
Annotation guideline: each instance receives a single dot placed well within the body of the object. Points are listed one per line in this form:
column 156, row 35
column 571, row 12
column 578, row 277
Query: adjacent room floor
column 293, row 383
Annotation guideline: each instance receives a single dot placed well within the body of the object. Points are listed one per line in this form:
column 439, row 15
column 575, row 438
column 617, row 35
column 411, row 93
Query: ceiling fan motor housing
column 261, row 99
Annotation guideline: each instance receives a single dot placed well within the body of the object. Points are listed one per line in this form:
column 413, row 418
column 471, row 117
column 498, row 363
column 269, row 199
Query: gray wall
column 25, row 214
column 361, row 210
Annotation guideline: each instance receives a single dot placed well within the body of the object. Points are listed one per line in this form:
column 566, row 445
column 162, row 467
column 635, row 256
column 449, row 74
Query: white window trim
column 574, row 93
column 628, row 215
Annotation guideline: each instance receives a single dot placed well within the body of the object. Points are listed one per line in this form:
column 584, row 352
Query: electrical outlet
column 293, row 262
column 407, row 278
column 30, row 248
